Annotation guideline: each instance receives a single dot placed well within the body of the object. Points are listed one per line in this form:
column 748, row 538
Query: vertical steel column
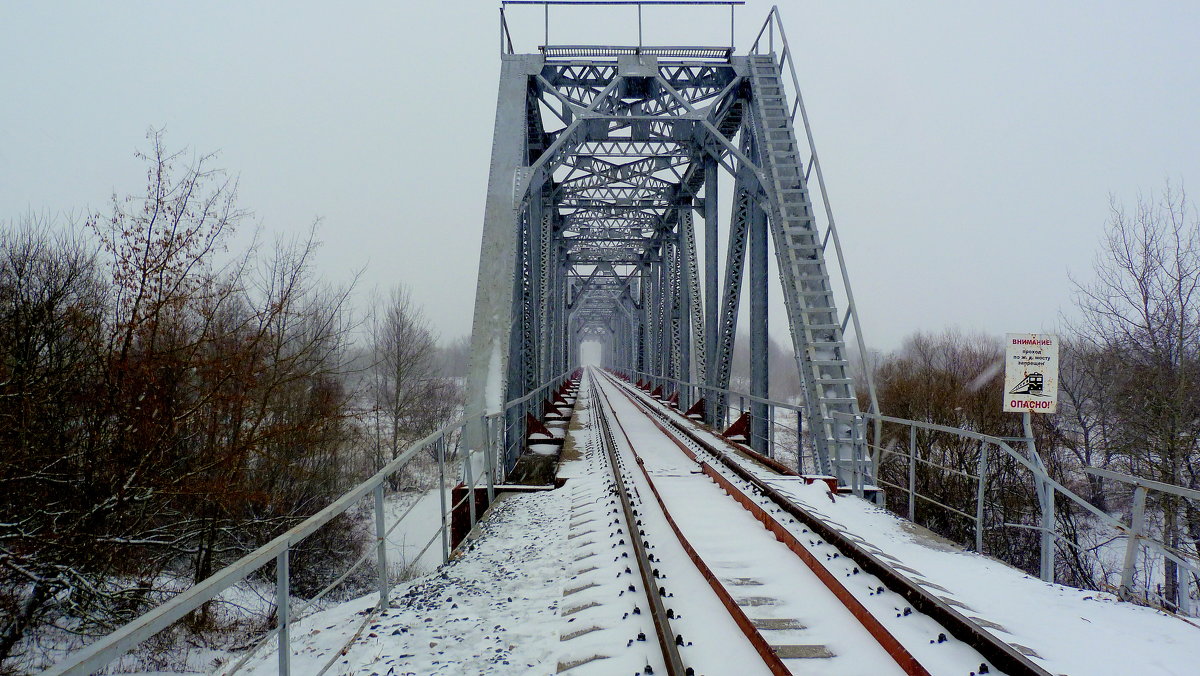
column 759, row 377
column 535, row 224
column 492, row 333
column 712, row 301
column 683, row 312
column 676, row 328
column 643, row 330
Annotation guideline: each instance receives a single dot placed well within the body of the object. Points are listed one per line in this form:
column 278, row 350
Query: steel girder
column 599, row 167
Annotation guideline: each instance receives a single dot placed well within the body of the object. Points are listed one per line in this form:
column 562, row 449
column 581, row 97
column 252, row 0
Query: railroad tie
column 776, row 624
column 802, row 652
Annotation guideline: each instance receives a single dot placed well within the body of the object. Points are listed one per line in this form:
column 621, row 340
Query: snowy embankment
column 495, row 608
column 421, row 513
column 491, row 610
column 1073, row 631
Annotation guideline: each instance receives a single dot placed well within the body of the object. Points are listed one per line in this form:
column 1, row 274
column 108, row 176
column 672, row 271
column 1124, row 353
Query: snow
column 493, row 609
column 515, row 599
column 1074, row 631
column 753, row 565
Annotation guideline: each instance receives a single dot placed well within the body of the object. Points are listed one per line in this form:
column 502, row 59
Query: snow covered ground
column 1073, row 631
column 492, row 610
column 421, row 513
column 497, row 608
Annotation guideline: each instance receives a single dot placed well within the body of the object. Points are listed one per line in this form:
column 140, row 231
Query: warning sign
column 1031, row 373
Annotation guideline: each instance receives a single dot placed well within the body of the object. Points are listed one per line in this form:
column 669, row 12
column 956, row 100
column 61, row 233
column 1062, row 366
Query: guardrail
column 1137, row 529
column 443, row 444
column 1047, row 489
column 506, row 46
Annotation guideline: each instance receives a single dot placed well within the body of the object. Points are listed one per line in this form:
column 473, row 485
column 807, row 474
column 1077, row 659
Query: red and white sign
column 1031, row 373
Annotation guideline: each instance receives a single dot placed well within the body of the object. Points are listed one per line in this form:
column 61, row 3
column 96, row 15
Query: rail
column 784, row 439
column 1001, row 654
column 443, row 443
column 787, row 435
column 658, row 611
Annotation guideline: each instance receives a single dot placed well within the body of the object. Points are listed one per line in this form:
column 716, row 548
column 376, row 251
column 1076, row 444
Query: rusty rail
column 658, row 613
column 1002, row 655
column 761, row 646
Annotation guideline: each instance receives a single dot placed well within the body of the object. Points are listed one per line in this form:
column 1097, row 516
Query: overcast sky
column 969, row 148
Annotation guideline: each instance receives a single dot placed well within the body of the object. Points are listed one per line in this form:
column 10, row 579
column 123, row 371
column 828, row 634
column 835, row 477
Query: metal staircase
column 816, row 330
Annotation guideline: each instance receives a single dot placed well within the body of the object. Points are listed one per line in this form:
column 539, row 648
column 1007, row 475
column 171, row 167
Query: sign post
column 1031, row 386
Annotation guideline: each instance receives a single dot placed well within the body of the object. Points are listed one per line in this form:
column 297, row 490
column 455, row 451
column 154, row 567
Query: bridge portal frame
column 603, row 158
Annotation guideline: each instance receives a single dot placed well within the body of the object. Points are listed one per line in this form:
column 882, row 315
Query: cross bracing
column 605, row 219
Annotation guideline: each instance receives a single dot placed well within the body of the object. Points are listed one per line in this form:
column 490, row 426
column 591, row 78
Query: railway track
column 733, row 572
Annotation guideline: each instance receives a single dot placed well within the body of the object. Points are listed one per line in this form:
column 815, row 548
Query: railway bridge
column 637, row 196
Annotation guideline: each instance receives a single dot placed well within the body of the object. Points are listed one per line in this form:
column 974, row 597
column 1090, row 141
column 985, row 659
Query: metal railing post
column 441, row 458
column 469, row 478
column 1048, row 534
column 771, row 431
column 1131, row 542
column 799, row 444
column 979, row 495
column 1045, row 491
column 498, row 447
column 381, row 546
column 860, row 426
column 488, row 465
column 912, row 473
column 282, row 588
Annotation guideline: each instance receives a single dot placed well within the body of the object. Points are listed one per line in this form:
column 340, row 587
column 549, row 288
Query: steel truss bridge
column 607, row 220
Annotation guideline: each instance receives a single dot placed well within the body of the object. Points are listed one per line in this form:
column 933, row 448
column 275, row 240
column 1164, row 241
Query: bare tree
column 410, row 396
column 51, row 310
column 1086, row 410
column 1142, row 309
column 160, row 413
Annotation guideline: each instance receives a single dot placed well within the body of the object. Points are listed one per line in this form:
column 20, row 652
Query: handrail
column 1147, row 483
column 774, row 20
column 101, row 652
column 505, row 35
column 1131, row 531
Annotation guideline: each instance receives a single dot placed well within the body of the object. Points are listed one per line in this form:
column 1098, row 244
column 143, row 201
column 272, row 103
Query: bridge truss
column 606, row 220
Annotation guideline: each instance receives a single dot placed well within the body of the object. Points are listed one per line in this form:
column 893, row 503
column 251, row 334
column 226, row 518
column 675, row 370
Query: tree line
column 1129, row 401
column 167, row 406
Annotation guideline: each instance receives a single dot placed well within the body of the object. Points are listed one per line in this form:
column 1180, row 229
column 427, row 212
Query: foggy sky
column 969, row 148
